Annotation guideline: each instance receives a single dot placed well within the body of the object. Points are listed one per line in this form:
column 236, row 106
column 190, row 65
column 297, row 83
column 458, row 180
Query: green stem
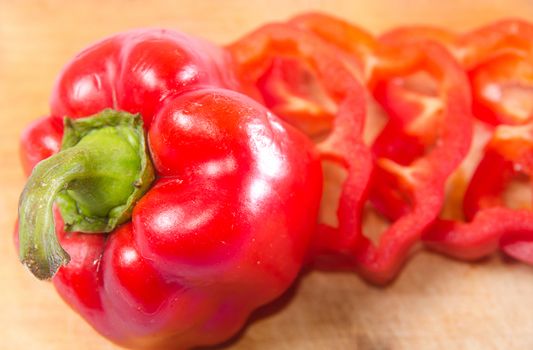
column 39, row 247
column 97, row 177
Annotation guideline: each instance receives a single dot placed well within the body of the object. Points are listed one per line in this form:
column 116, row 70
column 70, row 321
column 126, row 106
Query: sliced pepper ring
column 409, row 180
column 343, row 145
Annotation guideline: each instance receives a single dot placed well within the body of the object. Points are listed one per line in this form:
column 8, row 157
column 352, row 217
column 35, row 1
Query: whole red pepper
column 174, row 241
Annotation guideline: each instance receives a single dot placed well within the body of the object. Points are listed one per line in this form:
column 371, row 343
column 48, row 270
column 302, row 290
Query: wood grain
column 435, row 304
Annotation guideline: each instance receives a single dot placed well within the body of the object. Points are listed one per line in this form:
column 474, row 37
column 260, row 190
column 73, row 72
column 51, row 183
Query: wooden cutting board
column 435, row 304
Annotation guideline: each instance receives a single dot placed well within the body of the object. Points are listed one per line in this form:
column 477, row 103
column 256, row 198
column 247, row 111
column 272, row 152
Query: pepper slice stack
column 496, row 194
column 409, row 165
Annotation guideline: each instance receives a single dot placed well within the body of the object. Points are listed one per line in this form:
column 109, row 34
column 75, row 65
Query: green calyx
column 103, row 168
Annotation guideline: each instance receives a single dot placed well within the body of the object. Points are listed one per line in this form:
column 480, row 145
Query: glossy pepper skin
column 227, row 222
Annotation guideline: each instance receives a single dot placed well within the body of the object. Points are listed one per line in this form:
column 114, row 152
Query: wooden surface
column 435, row 304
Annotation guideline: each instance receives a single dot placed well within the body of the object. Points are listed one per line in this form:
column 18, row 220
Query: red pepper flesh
column 498, row 59
column 409, row 190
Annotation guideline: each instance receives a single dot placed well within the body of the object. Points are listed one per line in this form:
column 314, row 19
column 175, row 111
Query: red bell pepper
column 173, row 242
column 499, row 62
column 407, row 181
